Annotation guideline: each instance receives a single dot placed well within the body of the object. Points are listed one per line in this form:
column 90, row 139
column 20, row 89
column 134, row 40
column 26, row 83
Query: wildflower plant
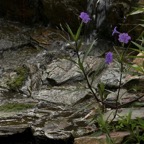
column 124, row 39
column 77, row 43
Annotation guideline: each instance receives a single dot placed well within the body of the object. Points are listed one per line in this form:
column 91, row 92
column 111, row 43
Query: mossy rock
column 11, row 107
column 18, row 81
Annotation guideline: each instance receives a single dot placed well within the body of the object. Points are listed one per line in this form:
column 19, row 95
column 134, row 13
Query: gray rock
column 55, row 129
column 68, row 95
column 13, row 37
column 13, row 129
column 123, row 94
column 15, row 43
column 111, row 76
column 63, row 70
column 116, row 136
column 124, row 97
column 134, row 83
column 136, row 113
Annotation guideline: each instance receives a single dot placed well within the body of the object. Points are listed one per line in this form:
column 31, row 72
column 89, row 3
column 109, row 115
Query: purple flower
column 85, row 17
column 124, row 38
column 115, row 31
column 109, row 58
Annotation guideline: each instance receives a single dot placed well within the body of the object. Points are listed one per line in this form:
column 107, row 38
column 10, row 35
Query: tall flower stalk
column 76, row 37
column 81, row 66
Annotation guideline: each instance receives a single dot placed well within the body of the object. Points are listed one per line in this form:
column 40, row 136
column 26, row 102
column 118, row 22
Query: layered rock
column 41, row 92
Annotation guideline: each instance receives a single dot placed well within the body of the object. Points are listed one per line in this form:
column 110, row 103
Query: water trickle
column 102, row 9
column 106, row 14
column 98, row 10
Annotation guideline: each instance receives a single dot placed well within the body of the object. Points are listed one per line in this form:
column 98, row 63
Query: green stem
column 84, row 73
column 120, row 82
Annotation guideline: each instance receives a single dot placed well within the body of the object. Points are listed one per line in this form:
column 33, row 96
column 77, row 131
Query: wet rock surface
column 41, row 92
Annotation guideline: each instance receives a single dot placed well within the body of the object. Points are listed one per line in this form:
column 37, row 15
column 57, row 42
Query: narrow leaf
column 142, row 25
column 88, row 50
column 135, row 56
column 138, row 11
column 71, row 33
column 139, row 46
column 78, row 32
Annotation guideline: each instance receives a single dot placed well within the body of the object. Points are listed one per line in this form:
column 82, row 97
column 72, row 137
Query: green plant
column 140, row 42
column 138, row 65
column 105, row 127
column 134, row 126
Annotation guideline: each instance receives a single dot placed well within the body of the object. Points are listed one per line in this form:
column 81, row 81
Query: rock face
column 42, row 94
column 14, row 37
